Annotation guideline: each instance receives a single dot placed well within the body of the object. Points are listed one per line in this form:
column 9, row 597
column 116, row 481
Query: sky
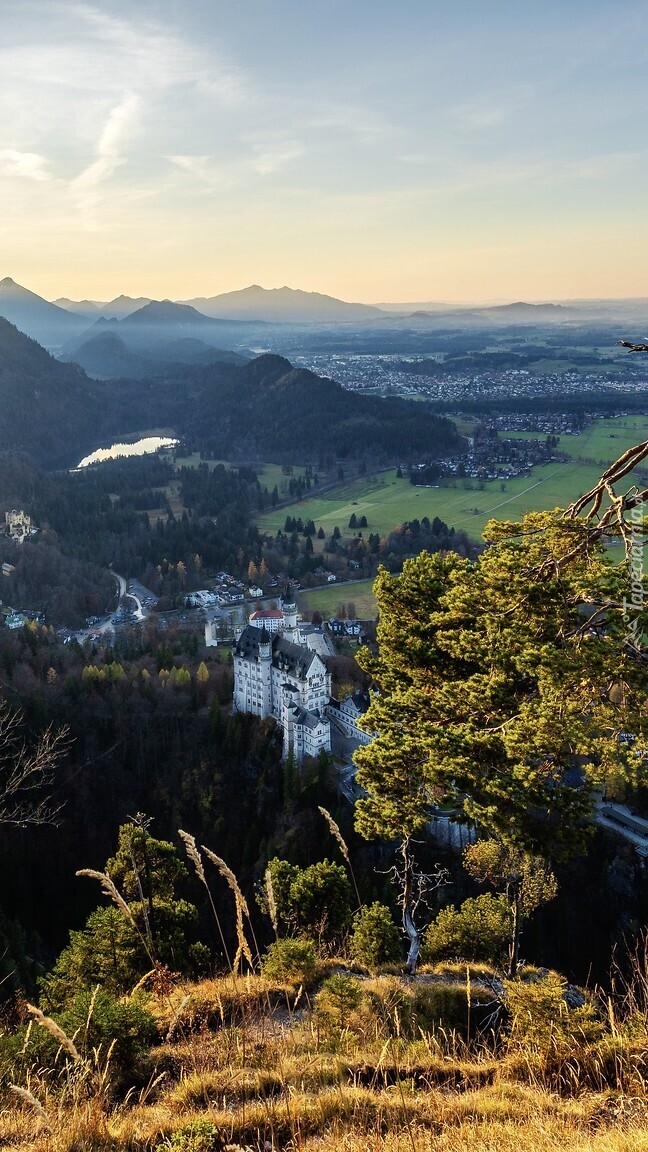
column 450, row 150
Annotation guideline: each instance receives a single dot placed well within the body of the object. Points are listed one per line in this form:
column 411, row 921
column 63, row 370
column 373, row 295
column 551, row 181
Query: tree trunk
column 409, row 926
column 516, row 926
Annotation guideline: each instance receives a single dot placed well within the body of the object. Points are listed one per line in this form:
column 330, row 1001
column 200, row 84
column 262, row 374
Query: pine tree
column 505, row 684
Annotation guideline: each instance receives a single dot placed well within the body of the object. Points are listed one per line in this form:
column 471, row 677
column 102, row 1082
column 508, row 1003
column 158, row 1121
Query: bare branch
column 27, row 772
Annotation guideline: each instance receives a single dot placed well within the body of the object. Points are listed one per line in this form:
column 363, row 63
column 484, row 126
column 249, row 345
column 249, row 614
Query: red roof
column 267, row 614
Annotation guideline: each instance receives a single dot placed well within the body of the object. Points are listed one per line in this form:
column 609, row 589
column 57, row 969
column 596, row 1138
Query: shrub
column 375, row 939
column 197, row 1136
column 335, row 1004
column 479, row 930
column 111, row 1036
column 543, row 1024
column 291, row 962
column 315, row 900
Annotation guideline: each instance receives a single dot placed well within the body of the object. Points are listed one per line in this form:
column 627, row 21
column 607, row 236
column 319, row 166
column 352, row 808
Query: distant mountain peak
column 165, row 310
column 17, row 289
column 282, row 305
column 35, row 316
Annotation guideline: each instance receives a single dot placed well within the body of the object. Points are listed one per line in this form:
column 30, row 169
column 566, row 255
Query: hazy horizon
column 452, row 154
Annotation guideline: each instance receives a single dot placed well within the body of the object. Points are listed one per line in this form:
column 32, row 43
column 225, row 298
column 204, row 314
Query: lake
column 137, row 448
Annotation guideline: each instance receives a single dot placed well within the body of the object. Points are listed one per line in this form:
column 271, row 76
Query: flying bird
column 633, row 347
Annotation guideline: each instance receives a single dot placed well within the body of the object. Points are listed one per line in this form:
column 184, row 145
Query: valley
column 143, row 569
column 323, row 586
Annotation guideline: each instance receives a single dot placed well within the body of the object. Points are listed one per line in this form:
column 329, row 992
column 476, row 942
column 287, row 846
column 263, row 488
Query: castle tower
column 288, row 695
column 289, row 606
column 265, row 672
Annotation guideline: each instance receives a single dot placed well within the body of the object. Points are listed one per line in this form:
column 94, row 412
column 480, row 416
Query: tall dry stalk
column 91, row 1006
column 176, row 1018
column 341, row 842
column 56, row 1031
column 111, row 890
column 30, row 1099
column 468, row 1002
column 196, row 860
column 272, row 903
column 243, row 949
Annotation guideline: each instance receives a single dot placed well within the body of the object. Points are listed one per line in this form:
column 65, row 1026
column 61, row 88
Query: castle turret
column 211, row 632
column 290, row 618
column 265, row 673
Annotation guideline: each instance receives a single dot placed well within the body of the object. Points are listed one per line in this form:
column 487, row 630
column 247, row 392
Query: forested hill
column 276, row 410
column 46, row 408
column 56, row 413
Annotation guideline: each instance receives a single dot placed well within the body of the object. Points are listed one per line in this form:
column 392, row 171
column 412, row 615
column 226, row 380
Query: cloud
column 273, row 154
column 27, row 164
column 263, row 157
column 158, row 57
column 109, row 156
column 477, row 115
column 202, row 167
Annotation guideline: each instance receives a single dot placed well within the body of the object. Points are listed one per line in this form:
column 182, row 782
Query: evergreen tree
column 149, row 925
column 504, row 686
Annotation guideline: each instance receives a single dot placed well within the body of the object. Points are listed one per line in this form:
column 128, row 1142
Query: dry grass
column 250, row 1059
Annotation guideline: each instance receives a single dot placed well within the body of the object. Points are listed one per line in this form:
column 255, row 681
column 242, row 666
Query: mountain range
column 282, row 305
column 264, row 409
column 115, row 309
column 245, row 318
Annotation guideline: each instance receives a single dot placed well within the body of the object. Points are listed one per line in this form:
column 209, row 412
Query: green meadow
column 328, row 600
column 269, row 474
column 387, row 501
column 605, row 440
column 602, row 441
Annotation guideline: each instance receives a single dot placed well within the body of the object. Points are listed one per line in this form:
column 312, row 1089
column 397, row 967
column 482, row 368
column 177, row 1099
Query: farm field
column 327, row 600
column 604, row 440
column 387, row 500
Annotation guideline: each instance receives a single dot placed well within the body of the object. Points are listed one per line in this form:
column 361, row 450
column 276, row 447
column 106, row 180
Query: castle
column 18, row 526
column 277, row 674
